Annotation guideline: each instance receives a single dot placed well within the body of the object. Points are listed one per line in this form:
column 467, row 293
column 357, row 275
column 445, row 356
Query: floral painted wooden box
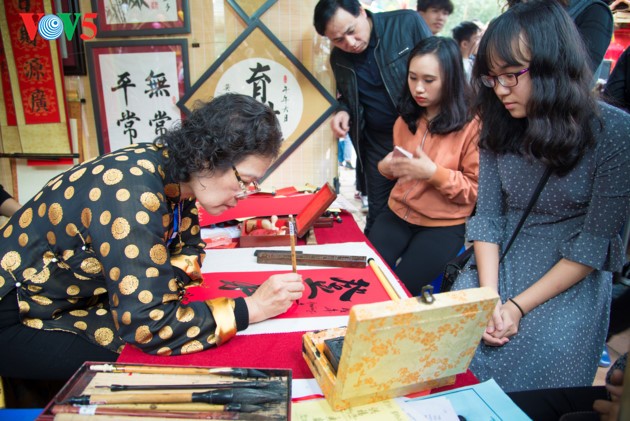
column 395, row 348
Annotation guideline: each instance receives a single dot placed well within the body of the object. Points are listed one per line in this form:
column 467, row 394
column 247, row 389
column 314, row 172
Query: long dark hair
column 454, row 106
column 219, row 134
column 557, row 128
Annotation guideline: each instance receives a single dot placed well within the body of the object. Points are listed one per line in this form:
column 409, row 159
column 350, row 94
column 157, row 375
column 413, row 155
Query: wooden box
column 93, row 380
column 395, row 348
column 303, row 221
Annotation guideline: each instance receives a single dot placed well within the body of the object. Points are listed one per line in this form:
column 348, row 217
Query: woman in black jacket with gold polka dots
column 102, row 255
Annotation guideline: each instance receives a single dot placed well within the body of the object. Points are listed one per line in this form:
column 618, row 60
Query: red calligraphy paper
column 258, row 205
column 34, row 66
column 328, row 292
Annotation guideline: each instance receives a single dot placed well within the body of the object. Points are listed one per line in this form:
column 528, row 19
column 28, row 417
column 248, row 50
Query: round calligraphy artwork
column 270, row 83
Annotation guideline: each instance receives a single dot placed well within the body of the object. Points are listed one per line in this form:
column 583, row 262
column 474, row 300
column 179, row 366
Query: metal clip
column 427, row 294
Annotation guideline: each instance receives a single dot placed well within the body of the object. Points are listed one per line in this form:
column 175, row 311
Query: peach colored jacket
column 449, row 196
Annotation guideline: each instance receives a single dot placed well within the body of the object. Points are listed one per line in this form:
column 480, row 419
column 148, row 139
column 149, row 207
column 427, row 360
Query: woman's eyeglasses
column 507, row 80
column 246, row 189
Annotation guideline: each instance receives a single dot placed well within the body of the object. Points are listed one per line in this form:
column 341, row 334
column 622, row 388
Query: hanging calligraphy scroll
column 119, row 18
column 259, row 65
column 35, row 74
column 136, row 86
column 328, row 292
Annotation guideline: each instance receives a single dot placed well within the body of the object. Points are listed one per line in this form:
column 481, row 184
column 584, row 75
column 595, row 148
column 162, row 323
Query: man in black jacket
column 369, row 61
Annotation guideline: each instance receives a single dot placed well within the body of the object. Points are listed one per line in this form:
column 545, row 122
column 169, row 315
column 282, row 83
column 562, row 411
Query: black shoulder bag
column 454, row 267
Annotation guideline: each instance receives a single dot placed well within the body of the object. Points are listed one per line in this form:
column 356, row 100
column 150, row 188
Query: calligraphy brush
column 240, row 373
column 255, row 385
column 225, row 396
column 212, row 412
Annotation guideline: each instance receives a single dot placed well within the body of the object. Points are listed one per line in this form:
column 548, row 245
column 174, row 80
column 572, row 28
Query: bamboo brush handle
column 170, row 406
column 141, row 398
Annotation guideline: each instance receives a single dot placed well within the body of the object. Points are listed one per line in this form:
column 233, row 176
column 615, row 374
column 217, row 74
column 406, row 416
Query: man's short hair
column 423, row 5
column 465, row 30
column 326, row 9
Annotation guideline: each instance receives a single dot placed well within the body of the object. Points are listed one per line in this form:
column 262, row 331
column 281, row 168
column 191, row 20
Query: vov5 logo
column 52, row 26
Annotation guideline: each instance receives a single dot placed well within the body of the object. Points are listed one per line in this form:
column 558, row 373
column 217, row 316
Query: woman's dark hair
column 326, row 9
column 557, row 127
column 454, row 104
column 511, row 3
column 219, row 134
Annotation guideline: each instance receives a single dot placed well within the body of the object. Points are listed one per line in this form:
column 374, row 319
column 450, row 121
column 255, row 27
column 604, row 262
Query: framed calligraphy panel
column 119, row 18
column 259, row 65
column 135, row 88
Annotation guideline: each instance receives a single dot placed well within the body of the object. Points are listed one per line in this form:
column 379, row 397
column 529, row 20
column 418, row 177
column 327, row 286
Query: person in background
column 436, row 188
column 435, row 13
column 587, row 403
column 617, row 89
column 594, row 22
column 538, row 112
column 467, row 35
column 344, row 152
column 8, row 205
column 103, row 255
column 368, row 61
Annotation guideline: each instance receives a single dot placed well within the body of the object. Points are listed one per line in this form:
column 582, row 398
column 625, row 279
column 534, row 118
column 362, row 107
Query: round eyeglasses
column 246, row 189
column 507, row 80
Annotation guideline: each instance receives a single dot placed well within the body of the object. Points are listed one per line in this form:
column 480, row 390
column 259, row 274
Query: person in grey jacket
column 369, row 62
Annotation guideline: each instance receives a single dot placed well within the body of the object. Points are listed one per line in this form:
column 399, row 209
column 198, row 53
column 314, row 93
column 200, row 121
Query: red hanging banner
column 33, row 63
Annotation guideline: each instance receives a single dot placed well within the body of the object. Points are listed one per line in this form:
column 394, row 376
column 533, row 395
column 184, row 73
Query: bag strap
column 530, row 205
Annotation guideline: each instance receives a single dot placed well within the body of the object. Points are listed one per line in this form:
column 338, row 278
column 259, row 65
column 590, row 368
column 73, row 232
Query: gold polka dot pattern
column 105, row 218
column 142, row 217
column 123, row 195
column 77, row 174
column 158, row 254
column 89, row 254
column 120, row 228
column 145, row 296
column 128, row 285
column 104, row 336
column 26, row 218
column 95, row 194
column 69, row 193
column 112, row 177
column 55, row 213
column 23, row 239
column 86, row 217
column 132, row 251
column 150, row 201
column 185, row 314
column 143, row 335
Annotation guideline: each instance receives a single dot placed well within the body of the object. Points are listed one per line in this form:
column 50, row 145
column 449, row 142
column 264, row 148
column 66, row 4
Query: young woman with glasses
column 102, row 255
column 537, row 111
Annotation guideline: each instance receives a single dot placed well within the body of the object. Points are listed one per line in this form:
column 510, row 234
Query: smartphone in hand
column 401, row 153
